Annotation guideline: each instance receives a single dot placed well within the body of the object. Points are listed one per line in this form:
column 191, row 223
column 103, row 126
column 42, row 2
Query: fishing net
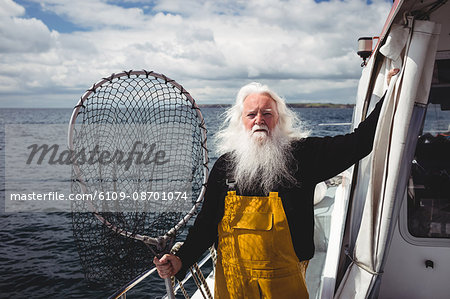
column 138, row 146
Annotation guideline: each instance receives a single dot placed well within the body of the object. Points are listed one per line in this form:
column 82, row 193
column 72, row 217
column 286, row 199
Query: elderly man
column 258, row 207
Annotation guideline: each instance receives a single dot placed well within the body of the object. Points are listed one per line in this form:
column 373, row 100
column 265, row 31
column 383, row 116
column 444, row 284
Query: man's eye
column 251, row 114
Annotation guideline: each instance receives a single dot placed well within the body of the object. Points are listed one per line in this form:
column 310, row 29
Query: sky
column 52, row 51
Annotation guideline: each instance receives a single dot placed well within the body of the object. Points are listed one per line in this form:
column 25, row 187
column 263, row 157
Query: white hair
column 262, row 162
column 288, row 123
column 257, row 160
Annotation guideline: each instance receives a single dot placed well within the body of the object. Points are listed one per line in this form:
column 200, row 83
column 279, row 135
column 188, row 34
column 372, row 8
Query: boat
column 394, row 237
column 384, row 230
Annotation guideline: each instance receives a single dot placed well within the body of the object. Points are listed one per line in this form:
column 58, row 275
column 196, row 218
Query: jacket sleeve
column 204, row 231
column 326, row 157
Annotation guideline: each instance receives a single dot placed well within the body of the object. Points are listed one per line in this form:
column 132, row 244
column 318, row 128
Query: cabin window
column 428, row 206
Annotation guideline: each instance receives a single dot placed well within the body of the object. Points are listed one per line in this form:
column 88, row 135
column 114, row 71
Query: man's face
column 260, row 114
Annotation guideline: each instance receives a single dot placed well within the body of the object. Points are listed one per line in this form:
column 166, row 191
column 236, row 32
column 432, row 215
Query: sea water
column 38, row 254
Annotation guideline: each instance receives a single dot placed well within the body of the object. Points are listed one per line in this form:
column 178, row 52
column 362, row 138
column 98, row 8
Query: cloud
column 302, row 49
column 95, row 14
column 10, row 8
column 20, row 35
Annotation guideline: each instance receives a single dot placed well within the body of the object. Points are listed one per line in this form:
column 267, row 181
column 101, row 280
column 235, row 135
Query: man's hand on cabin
column 168, row 265
column 391, row 73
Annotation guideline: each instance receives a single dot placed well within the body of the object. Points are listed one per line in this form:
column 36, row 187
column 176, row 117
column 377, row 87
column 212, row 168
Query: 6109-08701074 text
column 106, row 196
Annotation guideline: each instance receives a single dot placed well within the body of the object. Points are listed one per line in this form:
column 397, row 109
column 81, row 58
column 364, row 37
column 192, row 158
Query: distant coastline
column 291, row 105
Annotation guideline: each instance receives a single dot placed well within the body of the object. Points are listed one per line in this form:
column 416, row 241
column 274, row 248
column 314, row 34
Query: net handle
column 169, row 235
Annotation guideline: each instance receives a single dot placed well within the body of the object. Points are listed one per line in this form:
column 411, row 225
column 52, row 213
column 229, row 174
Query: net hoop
column 161, row 241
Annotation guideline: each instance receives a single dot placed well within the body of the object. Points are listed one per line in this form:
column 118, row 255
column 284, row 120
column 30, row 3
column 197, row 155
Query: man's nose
column 259, row 119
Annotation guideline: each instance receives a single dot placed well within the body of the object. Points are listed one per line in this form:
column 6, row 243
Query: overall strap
column 231, row 183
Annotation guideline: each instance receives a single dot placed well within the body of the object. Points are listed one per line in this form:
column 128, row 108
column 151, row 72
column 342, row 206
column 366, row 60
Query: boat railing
column 190, row 275
column 122, row 292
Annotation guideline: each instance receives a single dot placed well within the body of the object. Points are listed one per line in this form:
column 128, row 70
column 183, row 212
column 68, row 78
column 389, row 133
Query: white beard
column 261, row 161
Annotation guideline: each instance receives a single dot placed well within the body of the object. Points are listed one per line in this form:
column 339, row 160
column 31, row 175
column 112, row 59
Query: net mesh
column 138, row 151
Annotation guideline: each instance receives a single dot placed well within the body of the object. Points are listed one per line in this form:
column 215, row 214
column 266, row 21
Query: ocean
column 38, row 255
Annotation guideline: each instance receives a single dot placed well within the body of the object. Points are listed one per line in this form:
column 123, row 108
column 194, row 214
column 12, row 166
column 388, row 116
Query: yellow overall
column 256, row 258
